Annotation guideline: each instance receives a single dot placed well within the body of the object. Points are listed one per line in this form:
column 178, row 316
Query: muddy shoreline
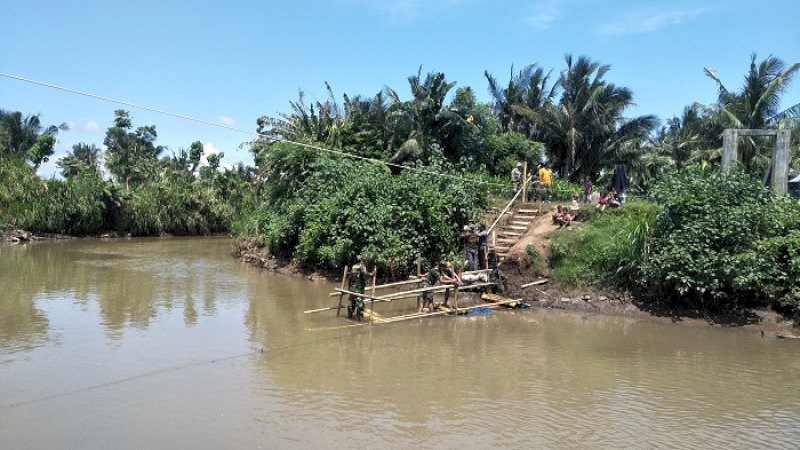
column 551, row 295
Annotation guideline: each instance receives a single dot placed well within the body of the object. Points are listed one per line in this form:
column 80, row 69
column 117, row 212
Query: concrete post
column 729, row 138
column 780, row 161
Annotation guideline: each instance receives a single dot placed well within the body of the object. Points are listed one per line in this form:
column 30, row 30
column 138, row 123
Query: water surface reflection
column 189, row 348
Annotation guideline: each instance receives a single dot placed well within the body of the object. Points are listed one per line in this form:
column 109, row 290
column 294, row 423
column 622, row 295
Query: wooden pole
column 396, row 295
column 341, row 295
column 384, row 286
column 534, row 283
column 372, row 304
column 439, row 313
column 524, row 181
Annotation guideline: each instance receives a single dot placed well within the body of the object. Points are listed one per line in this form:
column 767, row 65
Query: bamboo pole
column 341, row 296
column 384, row 286
column 439, row 313
column 510, row 204
column 534, row 283
column 396, row 295
column 372, row 305
column 524, row 181
column 400, row 283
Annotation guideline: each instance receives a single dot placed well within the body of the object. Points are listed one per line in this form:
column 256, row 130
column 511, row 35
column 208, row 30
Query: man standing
column 356, row 283
column 546, row 181
column 471, row 243
column 516, row 177
column 448, row 276
column 426, row 298
column 483, row 245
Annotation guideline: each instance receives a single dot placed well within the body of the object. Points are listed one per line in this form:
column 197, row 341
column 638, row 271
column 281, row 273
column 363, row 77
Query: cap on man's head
column 519, row 164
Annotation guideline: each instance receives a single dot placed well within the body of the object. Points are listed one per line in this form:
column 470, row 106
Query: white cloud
column 399, row 11
column 91, row 126
column 225, row 120
column 544, row 14
column 208, row 149
column 649, row 21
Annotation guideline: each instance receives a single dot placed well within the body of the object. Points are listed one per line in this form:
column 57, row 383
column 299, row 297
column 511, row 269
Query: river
column 172, row 343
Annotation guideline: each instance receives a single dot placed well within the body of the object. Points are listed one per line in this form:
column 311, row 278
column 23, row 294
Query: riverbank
column 552, row 295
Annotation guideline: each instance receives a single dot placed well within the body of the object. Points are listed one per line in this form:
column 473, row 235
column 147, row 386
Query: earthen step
column 523, row 223
column 517, row 227
column 507, row 241
column 528, row 211
column 510, row 233
column 500, row 249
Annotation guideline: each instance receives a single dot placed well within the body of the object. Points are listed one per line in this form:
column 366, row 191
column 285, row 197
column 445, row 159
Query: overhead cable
column 242, row 130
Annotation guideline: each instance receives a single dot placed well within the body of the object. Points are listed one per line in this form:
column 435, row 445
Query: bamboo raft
column 491, row 301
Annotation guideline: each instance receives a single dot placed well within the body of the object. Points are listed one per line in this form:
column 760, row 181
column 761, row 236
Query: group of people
column 563, row 216
column 543, row 187
column 477, row 246
column 444, row 274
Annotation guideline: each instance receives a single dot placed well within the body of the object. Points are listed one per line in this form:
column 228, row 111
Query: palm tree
column 418, row 126
column 26, row 137
column 756, row 104
column 520, row 105
column 82, row 158
column 692, row 136
column 586, row 129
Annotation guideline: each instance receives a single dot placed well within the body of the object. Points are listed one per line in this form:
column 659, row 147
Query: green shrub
column 341, row 208
column 725, row 242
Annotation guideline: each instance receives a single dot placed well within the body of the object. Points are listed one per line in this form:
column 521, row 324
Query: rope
column 241, row 130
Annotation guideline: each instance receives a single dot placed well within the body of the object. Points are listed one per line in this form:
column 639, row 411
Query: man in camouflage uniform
column 471, row 243
column 426, row 298
column 356, row 283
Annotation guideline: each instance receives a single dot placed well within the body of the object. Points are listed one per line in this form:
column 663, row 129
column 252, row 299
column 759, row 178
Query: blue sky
column 230, row 62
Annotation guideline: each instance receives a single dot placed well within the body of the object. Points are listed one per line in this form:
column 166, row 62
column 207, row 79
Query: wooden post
column 372, row 297
column 524, row 181
column 455, row 300
column 341, row 295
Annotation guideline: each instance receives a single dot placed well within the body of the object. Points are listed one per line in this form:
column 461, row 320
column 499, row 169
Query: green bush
column 725, row 241
column 340, row 208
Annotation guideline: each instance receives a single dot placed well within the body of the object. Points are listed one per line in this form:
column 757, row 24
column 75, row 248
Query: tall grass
column 607, row 249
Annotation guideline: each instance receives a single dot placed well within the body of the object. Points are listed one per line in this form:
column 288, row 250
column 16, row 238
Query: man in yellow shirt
column 546, row 181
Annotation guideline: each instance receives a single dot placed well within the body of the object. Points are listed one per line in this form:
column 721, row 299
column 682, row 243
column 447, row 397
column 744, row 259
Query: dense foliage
column 336, row 209
column 724, row 241
column 711, row 242
column 152, row 196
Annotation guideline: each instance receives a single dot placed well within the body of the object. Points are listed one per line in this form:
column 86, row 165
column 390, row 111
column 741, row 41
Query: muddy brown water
column 172, row 343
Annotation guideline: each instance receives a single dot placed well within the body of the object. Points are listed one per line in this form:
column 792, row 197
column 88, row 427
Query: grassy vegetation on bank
column 711, row 242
